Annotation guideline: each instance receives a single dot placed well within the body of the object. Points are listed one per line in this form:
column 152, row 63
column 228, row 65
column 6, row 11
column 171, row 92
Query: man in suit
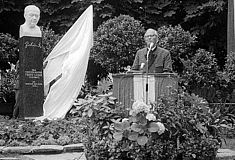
column 158, row 59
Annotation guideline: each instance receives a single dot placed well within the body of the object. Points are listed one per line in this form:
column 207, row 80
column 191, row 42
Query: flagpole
column 230, row 28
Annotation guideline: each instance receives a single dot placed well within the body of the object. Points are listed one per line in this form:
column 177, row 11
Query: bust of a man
column 30, row 28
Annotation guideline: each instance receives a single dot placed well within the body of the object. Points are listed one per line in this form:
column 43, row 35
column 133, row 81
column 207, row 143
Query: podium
column 129, row 87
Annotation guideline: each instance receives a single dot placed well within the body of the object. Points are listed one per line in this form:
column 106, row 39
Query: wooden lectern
column 129, row 87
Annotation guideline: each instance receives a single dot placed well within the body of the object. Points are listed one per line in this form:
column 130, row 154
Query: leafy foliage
column 230, row 67
column 8, row 56
column 21, row 133
column 140, row 127
column 204, row 9
column 8, row 50
column 49, row 40
column 104, row 86
column 179, row 42
column 202, row 67
column 201, row 77
column 192, row 124
column 97, row 114
column 205, row 18
column 179, row 126
column 8, row 83
column 116, row 42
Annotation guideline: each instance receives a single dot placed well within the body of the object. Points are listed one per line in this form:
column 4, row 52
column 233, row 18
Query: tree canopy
column 205, row 18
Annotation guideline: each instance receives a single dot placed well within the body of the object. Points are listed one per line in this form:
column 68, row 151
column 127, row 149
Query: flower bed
column 23, row 133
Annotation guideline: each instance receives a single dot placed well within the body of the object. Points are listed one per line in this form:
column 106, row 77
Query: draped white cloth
column 69, row 58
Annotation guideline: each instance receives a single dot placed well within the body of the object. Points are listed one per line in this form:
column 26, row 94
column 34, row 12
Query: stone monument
column 31, row 65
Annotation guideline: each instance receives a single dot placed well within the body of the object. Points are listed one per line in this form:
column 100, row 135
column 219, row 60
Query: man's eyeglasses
column 149, row 36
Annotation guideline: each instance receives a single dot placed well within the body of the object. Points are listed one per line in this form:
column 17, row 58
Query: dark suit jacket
column 159, row 60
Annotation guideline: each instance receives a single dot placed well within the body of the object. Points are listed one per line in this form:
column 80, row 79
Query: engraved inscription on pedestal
column 34, row 77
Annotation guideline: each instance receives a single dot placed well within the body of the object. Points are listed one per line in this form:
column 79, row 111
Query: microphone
column 151, row 45
column 150, row 48
column 142, row 65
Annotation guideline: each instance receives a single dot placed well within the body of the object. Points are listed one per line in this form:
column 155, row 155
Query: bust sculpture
column 30, row 28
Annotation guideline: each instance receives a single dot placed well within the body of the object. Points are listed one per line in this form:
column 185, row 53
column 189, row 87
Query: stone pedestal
column 31, row 77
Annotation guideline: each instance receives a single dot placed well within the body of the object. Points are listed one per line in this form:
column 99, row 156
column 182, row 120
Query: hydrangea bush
column 140, row 126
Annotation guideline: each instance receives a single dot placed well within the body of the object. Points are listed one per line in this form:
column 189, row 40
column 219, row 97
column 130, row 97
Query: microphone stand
column 147, row 72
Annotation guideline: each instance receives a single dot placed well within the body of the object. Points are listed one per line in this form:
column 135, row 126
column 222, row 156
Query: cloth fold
column 69, row 59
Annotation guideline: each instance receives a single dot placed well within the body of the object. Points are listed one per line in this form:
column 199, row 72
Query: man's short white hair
column 150, row 30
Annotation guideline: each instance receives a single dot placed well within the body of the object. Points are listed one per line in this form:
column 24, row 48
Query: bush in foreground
column 179, row 126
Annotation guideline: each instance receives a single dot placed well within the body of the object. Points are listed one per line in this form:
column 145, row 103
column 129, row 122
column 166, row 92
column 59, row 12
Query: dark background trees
column 207, row 19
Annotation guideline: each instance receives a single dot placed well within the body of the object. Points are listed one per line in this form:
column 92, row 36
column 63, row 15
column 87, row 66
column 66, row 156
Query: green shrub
column 97, row 115
column 177, row 127
column 201, row 69
column 8, row 50
column 116, row 42
column 179, row 42
column 201, row 76
column 8, row 86
column 49, row 40
column 8, row 56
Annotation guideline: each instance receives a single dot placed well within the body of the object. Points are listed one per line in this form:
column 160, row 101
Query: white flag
column 69, row 59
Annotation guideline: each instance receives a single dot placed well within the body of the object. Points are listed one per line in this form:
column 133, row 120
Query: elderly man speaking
column 157, row 58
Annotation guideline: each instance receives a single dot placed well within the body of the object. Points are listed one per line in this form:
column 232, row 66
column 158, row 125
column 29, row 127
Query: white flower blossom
column 150, row 117
column 161, row 128
column 139, row 106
